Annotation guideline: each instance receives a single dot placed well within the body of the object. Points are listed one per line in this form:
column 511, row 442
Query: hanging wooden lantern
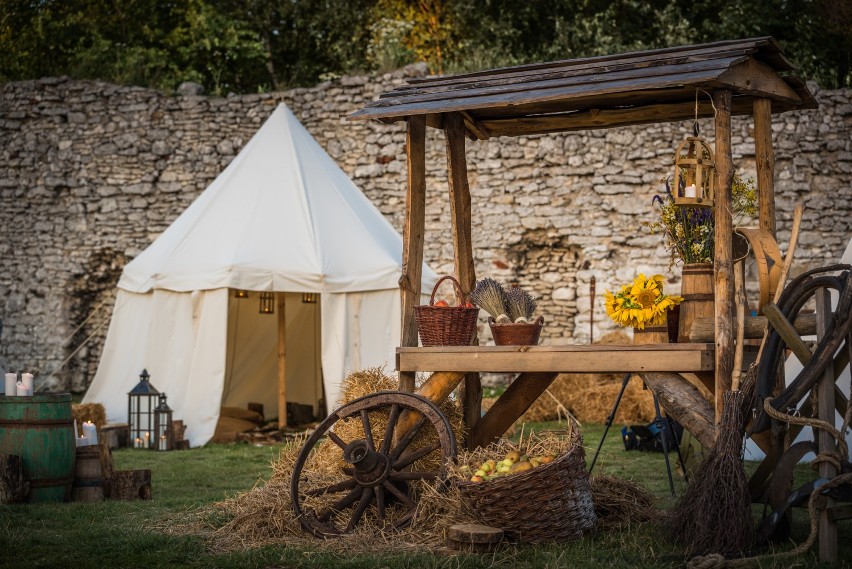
column 695, row 173
column 267, row 303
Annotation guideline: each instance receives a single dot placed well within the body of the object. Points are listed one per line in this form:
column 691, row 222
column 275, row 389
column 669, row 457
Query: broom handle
column 739, row 295
column 785, row 270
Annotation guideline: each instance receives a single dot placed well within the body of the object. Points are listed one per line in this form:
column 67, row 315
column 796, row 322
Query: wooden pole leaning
column 723, row 252
column 413, row 236
column 460, row 214
column 282, row 360
column 765, row 162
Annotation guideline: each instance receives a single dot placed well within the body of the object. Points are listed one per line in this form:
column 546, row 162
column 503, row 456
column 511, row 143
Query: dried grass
column 620, row 502
column 93, row 412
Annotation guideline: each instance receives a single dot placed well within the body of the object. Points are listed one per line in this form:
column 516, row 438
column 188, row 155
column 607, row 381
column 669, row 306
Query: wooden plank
column 282, row 361
column 413, row 238
column 765, row 162
column 758, row 79
column 508, row 408
column 566, row 359
column 840, row 513
column 826, row 443
column 723, row 253
column 460, row 216
column 702, row 328
column 685, row 403
column 787, row 332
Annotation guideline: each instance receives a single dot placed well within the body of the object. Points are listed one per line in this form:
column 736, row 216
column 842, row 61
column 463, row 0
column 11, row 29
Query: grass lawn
column 120, row 534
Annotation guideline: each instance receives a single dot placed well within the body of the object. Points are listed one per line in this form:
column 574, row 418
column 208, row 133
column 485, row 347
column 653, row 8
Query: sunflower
column 640, row 303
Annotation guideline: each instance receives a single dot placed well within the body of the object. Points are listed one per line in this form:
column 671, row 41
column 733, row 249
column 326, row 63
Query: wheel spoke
column 368, row 430
column 380, row 500
column 406, row 440
column 398, row 493
column 344, row 502
column 332, row 488
column 337, row 440
column 359, row 511
column 416, row 455
column 394, row 415
column 422, row 475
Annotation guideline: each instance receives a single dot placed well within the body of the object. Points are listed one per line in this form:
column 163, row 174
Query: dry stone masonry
column 91, row 173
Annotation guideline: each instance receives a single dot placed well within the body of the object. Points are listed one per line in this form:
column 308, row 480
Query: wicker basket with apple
column 441, row 324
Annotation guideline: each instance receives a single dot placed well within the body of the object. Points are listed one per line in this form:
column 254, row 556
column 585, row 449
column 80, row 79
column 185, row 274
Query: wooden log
column 765, row 162
column 723, row 249
column 474, row 538
column 13, row 486
column 115, row 435
column 179, row 428
column 413, row 236
column 825, row 441
column 702, row 329
column 684, row 403
column 508, row 408
column 128, row 485
column 282, row 361
column 256, row 408
column 436, row 389
column 460, row 215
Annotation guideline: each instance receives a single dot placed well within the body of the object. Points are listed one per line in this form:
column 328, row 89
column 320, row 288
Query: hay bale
column 93, row 412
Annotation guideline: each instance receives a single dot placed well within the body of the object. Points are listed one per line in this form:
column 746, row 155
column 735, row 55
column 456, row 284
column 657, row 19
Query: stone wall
column 91, row 173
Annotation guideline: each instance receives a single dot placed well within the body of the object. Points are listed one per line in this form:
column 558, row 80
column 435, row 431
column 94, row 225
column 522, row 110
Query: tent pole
column 282, row 362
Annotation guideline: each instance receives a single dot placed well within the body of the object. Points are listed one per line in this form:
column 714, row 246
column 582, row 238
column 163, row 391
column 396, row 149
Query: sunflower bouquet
column 640, row 303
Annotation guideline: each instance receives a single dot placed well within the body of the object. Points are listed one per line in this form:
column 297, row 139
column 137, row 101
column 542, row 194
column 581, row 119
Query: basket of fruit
column 533, row 498
column 440, row 324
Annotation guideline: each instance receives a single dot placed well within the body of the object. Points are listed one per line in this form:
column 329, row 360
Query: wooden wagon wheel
column 379, row 469
column 772, row 480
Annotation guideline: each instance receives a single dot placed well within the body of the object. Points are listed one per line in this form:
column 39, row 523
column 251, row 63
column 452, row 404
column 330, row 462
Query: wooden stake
column 723, row 254
column 765, row 161
column 460, row 214
column 825, row 442
column 282, row 361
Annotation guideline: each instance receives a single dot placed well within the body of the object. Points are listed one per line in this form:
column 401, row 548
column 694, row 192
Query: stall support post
column 765, row 162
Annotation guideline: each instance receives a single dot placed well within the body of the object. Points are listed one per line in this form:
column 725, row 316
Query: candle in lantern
column 20, row 390
column 137, row 443
column 690, row 191
column 11, row 380
column 147, row 440
column 163, row 443
column 90, row 431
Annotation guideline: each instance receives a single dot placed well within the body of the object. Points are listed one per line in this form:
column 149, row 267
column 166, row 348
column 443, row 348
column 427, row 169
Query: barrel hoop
column 652, row 329
column 46, row 482
column 88, row 483
column 698, row 296
column 40, row 422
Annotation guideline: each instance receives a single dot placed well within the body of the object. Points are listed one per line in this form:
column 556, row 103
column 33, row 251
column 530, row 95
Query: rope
column 809, row 422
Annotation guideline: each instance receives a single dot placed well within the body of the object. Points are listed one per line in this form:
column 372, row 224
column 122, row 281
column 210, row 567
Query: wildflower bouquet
column 689, row 231
column 640, row 303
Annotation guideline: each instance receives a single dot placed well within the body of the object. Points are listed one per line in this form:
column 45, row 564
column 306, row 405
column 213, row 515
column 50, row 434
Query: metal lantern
column 309, row 297
column 240, row 293
column 267, row 303
column 141, row 403
column 695, row 173
column 163, row 427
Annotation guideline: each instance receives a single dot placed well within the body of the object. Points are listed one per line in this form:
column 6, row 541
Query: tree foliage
column 255, row 45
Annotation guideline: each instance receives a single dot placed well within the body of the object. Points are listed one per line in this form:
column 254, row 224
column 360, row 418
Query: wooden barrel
column 651, row 335
column 40, row 430
column 697, row 292
column 88, row 477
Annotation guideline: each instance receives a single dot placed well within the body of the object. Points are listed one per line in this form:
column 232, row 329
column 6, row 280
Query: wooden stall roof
column 657, row 85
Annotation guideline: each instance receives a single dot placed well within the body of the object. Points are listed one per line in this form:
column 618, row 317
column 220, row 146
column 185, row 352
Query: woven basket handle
column 456, row 285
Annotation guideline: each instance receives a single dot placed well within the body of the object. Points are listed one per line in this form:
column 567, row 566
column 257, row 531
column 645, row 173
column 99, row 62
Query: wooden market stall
column 743, row 77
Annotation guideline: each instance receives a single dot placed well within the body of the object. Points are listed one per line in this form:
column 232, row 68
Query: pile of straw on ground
column 264, row 515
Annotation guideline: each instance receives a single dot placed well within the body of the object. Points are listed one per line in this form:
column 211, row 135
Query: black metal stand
column 664, row 426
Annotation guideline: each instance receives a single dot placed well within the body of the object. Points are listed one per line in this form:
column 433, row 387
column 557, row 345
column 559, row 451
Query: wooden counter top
column 611, row 358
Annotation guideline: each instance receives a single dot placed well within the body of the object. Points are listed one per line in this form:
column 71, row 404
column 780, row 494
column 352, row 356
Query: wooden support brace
column 787, row 332
column 825, row 441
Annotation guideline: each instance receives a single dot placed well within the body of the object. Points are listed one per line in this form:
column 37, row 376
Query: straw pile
column 620, row 502
column 93, row 412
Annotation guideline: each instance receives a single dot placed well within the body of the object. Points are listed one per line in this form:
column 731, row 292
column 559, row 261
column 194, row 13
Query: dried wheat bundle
column 520, row 305
column 490, row 296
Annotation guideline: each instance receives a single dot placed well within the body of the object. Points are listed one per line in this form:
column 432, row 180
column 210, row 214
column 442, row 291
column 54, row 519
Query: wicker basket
column 446, row 325
column 552, row 502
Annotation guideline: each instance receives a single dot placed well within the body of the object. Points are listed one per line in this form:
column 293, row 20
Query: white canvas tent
column 282, row 217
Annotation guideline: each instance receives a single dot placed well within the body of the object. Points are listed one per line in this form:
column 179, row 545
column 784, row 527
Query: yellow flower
column 640, row 303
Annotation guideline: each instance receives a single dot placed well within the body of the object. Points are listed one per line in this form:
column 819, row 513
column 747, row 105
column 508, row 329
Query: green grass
column 124, row 534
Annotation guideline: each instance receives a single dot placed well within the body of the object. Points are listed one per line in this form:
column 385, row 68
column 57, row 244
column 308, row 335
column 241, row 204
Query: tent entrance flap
column 251, row 366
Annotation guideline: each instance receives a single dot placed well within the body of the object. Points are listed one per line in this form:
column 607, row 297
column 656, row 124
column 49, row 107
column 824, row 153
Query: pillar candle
column 690, row 192
column 20, row 390
column 27, row 380
column 163, row 443
column 11, row 380
column 147, row 441
column 90, row 432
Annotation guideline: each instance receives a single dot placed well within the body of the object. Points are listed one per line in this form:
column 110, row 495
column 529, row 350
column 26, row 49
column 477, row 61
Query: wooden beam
column 755, row 326
column 460, row 216
column 825, row 441
column 788, row 333
column 764, row 154
column 509, row 407
column 723, row 253
column 282, row 360
column 754, row 78
column 684, row 403
column 413, row 237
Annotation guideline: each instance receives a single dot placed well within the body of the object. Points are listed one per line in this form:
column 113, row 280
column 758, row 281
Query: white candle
column 20, row 390
column 147, row 440
column 138, row 443
column 82, row 441
column 690, row 191
column 11, row 380
column 90, row 431
column 163, row 443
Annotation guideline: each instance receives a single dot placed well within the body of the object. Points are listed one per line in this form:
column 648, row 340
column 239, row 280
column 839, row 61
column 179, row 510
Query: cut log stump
column 130, row 485
column 13, row 486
